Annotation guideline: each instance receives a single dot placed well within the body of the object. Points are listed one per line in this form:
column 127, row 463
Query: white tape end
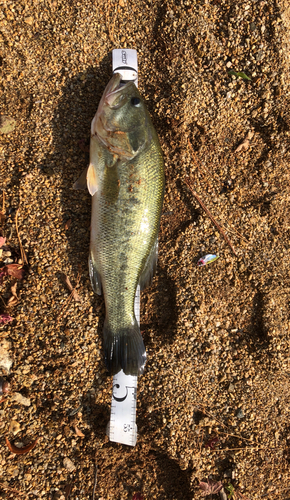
column 124, row 61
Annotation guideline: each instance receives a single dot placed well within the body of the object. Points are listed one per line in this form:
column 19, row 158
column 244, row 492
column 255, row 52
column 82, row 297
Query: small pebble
column 240, row 413
column 5, row 360
column 14, row 427
column 22, row 400
column 4, row 386
column 68, row 464
column 29, row 20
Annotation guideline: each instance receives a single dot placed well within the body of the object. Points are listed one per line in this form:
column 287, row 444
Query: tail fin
column 124, row 350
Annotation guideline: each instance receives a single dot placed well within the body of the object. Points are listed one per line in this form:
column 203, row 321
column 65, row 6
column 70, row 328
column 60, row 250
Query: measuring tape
column 122, row 427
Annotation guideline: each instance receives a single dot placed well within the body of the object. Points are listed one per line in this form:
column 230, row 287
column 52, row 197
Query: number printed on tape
column 128, row 428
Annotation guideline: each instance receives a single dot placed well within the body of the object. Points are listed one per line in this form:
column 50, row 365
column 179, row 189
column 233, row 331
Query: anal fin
column 150, row 267
column 95, row 277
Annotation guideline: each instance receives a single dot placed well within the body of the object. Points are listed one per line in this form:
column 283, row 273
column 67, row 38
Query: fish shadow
column 71, row 135
column 174, row 480
column 97, row 416
column 258, row 326
column 71, row 124
column 256, row 334
column 159, row 311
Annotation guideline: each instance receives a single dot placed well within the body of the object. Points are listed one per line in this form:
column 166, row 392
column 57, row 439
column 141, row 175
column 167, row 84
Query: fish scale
column 122, row 242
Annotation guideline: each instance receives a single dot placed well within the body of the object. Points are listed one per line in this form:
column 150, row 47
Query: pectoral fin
column 92, row 182
column 95, row 277
column 150, row 267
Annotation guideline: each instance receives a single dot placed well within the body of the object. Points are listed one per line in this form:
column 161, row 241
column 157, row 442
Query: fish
column 125, row 178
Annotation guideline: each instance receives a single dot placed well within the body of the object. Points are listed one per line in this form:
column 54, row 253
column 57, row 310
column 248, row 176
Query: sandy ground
column 214, row 400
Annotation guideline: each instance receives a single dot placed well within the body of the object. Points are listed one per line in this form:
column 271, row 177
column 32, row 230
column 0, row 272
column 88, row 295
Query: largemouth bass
column 126, row 180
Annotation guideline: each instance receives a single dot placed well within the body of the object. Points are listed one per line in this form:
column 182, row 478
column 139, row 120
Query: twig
column 95, row 481
column 68, row 300
column 2, row 214
column 234, row 231
column 5, row 307
column 22, row 251
column 211, row 218
column 202, row 410
column 222, row 424
column 254, row 448
column 197, row 460
column 68, row 284
column 211, row 187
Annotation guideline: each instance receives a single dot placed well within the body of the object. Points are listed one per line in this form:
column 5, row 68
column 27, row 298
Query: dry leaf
column 78, row 432
column 21, row 451
column 4, row 386
column 210, row 488
column 246, row 142
column 2, row 241
column 14, row 270
column 73, row 291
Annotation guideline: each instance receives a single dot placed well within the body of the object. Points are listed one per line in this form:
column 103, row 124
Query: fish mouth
column 113, row 98
column 97, row 123
column 113, row 85
column 112, row 93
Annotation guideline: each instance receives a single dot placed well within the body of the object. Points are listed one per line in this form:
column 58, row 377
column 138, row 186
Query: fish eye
column 135, row 101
